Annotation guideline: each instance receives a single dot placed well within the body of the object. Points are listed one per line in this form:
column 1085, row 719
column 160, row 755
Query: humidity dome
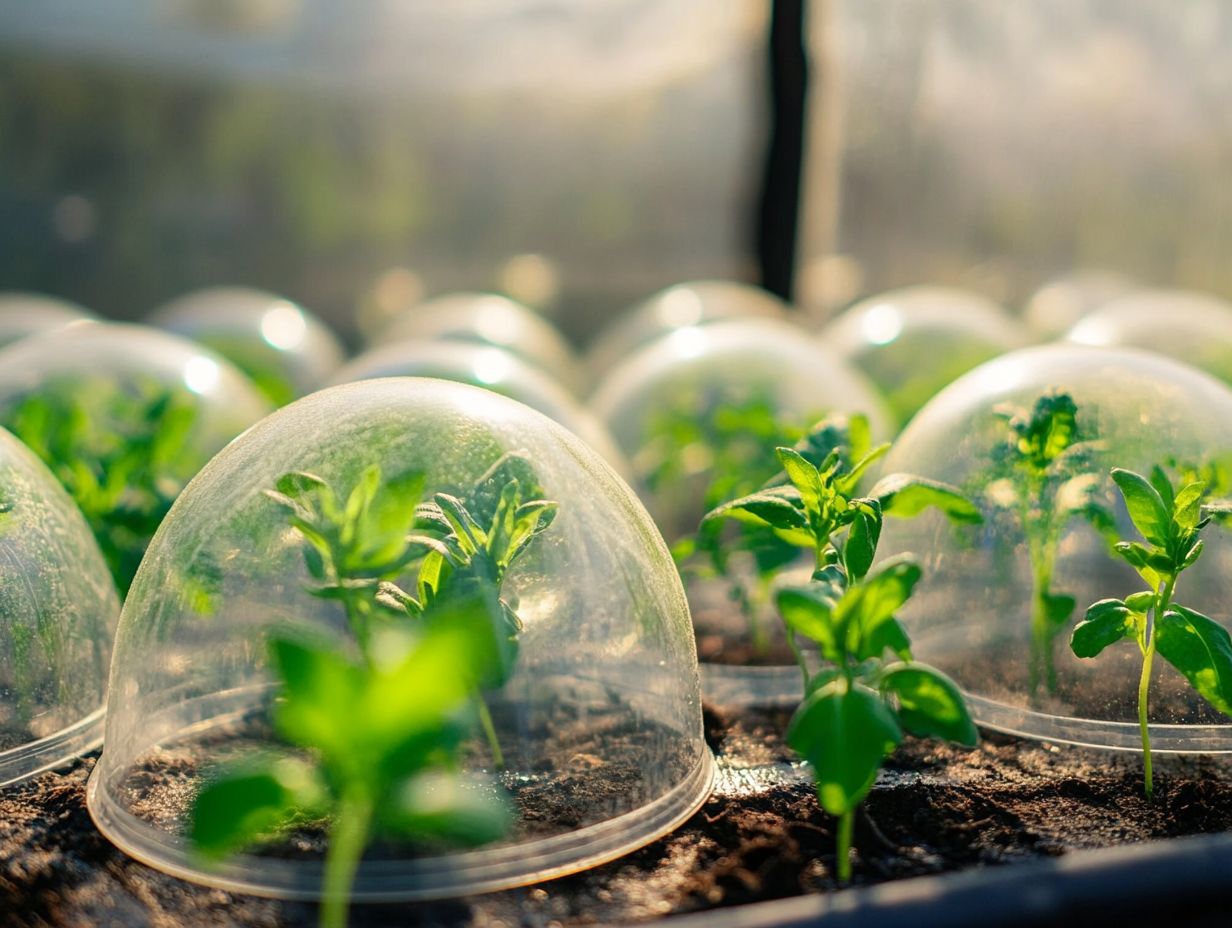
column 1032, row 438
column 699, row 414
column 489, row 319
column 284, row 349
column 914, row 341
column 123, row 415
column 1192, row 327
column 57, row 613
column 23, row 314
column 589, row 716
column 493, row 369
column 1056, row 306
column 681, row 306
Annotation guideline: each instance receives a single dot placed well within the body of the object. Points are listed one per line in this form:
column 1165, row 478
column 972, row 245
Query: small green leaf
column 930, row 704
column 905, row 496
column 1187, row 507
column 1138, row 557
column 1058, row 607
column 766, row 507
column 845, row 734
column 1192, row 555
column 809, row 611
column 253, row 801
column 861, row 545
column 439, row 804
column 1145, row 506
column 320, row 688
column 803, row 475
column 1201, row 649
column 888, row 634
column 866, row 605
column 1106, row 622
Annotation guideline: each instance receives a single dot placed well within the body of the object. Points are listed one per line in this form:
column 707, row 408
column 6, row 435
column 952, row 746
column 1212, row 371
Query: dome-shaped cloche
column 58, row 608
column 284, row 349
column 349, row 580
column 1032, row 438
column 1060, row 303
column 912, row 342
column 23, row 314
column 488, row 319
column 681, row 306
column 123, row 415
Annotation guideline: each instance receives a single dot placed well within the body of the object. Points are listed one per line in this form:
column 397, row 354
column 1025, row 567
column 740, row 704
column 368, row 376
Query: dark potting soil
column 723, row 638
column 935, row 808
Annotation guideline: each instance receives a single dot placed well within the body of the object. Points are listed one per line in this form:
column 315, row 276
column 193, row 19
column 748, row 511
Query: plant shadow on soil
column 935, row 808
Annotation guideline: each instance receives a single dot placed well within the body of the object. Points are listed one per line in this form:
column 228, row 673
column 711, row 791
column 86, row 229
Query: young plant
column 116, row 455
column 814, row 504
column 373, row 748
column 859, row 704
column 1170, row 521
column 1048, row 479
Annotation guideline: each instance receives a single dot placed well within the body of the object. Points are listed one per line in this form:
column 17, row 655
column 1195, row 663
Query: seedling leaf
column 1201, row 649
column 905, row 496
column 1145, row 506
column 1106, row 622
column 930, row 703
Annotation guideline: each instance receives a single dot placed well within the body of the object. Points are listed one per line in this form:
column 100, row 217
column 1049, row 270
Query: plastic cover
column 973, row 611
column 600, row 719
column 23, row 314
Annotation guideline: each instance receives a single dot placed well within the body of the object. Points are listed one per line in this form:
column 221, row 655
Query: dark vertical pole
column 779, row 210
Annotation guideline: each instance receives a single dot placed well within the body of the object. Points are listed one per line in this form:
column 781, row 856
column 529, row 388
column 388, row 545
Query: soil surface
column 935, row 808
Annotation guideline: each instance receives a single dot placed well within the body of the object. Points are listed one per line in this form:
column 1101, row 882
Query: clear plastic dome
column 699, row 413
column 696, row 303
column 58, row 609
column 493, row 369
column 489, row 319
column 983, row 612
column 284, row 349
column 123, row 415
column 598, row 720
column 1192, row 327
column 23, row 314
column 1056, row 306
column 914, row 341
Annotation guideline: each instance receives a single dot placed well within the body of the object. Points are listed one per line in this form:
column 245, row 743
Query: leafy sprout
column 1170, row 520
column 813, row 505
column 117, row 455
column 1046, row 476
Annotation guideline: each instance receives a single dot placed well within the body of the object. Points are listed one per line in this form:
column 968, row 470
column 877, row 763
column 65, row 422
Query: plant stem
column 1163, row 600
column 489, row 730
column 796, row 650
column 347, row 837
column 846, row 825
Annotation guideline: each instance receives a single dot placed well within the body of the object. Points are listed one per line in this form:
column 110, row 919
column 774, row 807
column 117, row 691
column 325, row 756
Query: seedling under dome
column 681, row 306
column 338, row 539
column 123, row 415
column 914, row 341
column 700, row 413
column 1033, row 438
column 58, row 609
column 489, row 319
column 493, row 369
column 284, row 349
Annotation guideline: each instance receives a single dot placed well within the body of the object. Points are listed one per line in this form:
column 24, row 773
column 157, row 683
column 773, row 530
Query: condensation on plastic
column 58, row 609
column 721, row 365
column 283, row 348
column 914, row 341
column 23, row 314
column 971, row 614
column 1192, row 327
column 493, row 369
column 606, row 637
column 677, row 307
column 489, row 319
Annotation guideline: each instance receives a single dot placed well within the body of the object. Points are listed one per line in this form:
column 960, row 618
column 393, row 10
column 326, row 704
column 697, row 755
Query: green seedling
column 1045, row 474
column 1170, row 521
column 859, row 704
column 813, row 504
column 116, row 455
column 378, row 754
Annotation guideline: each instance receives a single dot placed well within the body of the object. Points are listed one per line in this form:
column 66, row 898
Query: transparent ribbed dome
column 123, row 415
column 1061, row 302
column 699, row 413
column 696, row 303
column 58, row 609
column 914, row 341
column 284, row 349
column 493, row 369
column 489, row 319
column 991, row 610
column 598, row 720
column 23, row 314
column 1192, row 327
